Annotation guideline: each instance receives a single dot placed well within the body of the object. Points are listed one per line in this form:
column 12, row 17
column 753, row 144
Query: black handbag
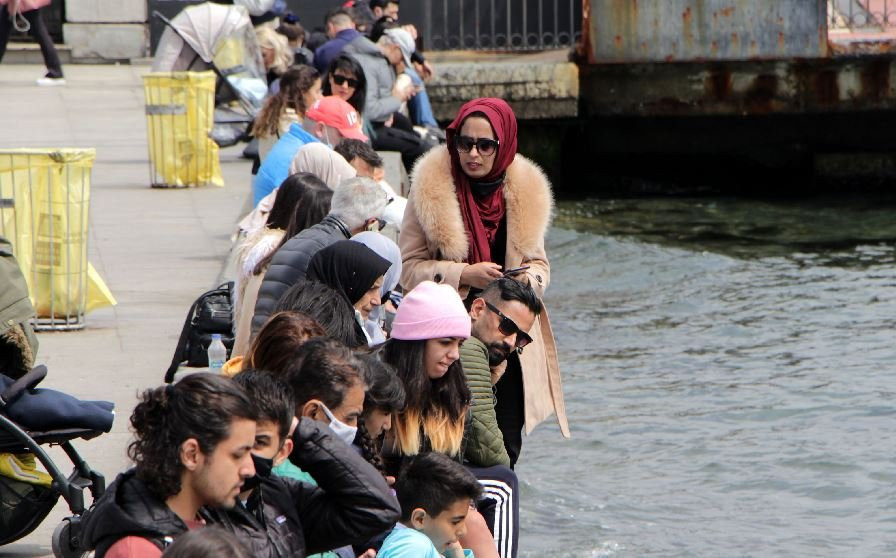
column 211, row 313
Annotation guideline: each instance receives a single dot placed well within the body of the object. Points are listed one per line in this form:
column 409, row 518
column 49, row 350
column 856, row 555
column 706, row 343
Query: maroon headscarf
column 482, row 213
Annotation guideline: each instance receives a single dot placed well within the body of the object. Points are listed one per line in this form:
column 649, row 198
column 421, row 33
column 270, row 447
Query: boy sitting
column 277, row 517
column 435, row 493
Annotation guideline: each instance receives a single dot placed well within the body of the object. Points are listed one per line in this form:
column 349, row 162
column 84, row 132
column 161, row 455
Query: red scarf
column 482, row 215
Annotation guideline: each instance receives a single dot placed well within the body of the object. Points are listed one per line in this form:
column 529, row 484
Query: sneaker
column 50, row 81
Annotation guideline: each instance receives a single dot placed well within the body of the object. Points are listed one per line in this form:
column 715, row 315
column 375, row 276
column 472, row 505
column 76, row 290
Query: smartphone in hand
column 516, row 271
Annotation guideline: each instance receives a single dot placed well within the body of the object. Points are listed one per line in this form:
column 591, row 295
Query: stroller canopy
column 210, row 34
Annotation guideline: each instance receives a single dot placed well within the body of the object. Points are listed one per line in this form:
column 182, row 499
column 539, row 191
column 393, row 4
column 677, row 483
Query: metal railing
column 862, row 15
column 503, row 25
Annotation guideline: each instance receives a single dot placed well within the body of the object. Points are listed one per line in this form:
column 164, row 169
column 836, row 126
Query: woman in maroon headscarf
column 477, row 209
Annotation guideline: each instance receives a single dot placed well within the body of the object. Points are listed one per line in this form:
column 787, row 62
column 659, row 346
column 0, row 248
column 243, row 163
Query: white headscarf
column 385, row 248
column 323, row 162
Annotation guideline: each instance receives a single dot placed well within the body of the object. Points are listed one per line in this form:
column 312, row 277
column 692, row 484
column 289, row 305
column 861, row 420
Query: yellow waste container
column 44, row 207
column 180, row 109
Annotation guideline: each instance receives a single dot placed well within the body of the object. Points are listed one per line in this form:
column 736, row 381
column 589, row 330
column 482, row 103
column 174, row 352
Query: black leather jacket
column 285, row 517
column 290, row 263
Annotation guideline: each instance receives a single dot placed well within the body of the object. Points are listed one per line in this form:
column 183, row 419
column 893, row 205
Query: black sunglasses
column 339, row 80
column 509, row 327
column 484, row 146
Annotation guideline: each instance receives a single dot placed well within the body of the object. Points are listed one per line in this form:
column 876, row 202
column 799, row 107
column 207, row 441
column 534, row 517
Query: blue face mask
column 342, row 431
column 327, row 137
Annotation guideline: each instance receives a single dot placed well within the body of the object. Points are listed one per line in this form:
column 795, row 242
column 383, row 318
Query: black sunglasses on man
column 509, row 327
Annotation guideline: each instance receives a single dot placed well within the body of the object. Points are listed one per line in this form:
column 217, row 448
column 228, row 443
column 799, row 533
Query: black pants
column 39, row 32
column 394, row 138
column 510, row 407
column 500, row 506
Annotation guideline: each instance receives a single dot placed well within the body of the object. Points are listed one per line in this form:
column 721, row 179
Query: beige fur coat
column 434, row 245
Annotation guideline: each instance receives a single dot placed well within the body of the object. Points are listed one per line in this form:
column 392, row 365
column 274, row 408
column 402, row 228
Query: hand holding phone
column 516, row 270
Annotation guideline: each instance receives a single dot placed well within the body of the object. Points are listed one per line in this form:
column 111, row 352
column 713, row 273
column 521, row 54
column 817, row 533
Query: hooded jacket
column 434, row 246
column 379, row 104
column 289, row 518
column 18, row 344
column 290, row 263
column 128, row 508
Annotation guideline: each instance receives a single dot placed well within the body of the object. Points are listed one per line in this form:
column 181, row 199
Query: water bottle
column 217, row 354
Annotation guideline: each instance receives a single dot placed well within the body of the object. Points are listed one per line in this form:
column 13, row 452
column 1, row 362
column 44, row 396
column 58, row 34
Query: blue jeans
column 418, row 105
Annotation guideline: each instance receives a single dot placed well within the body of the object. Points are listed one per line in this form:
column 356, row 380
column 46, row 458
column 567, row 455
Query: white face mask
column 343, row 431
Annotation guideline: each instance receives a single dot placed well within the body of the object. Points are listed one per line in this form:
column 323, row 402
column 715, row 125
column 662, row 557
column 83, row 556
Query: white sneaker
column 50, row 81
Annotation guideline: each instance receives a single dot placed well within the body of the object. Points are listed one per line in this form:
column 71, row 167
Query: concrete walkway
column 156, row 249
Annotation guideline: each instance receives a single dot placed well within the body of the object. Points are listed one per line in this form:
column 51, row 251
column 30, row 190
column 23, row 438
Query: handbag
column 18, row 7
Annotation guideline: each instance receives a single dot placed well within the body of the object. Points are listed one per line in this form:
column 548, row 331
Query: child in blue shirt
column 435, row 493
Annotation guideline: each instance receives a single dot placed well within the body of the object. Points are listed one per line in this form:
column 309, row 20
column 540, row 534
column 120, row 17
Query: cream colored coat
column 434, row 245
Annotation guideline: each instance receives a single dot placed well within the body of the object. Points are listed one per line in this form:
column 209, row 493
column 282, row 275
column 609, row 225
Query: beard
column 498, row 353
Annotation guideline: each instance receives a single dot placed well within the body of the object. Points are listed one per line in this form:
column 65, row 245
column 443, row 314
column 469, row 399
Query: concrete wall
column 98, row 30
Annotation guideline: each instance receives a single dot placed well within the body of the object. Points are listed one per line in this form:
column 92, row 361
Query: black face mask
column 263, row 467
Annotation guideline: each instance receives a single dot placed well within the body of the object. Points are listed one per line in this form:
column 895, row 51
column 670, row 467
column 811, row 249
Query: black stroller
column 23, row 506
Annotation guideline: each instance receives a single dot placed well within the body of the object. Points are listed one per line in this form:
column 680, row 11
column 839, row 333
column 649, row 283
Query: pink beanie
column 431, row 311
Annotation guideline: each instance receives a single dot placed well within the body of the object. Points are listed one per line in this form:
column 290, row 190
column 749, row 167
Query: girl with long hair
column 301, row 202
column 300, row 86
column 424, row 348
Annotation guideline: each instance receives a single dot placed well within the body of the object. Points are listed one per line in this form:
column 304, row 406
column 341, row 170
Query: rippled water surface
column 728, row 371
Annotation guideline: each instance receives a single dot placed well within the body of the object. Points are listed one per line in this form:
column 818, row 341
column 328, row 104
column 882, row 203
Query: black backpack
column 211, row 313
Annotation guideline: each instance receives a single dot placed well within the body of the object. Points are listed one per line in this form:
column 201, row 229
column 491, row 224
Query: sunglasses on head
column 484, row 146
column 340, row 80
column 509, row 327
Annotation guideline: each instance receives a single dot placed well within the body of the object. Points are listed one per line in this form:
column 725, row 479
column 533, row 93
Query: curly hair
column 200, row 406
column 294, row 83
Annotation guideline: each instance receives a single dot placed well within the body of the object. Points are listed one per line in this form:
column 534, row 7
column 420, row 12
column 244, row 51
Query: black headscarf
column 349, row 267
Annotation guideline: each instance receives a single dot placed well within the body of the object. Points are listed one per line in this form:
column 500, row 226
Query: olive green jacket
column 485, row 444
column 18, row 345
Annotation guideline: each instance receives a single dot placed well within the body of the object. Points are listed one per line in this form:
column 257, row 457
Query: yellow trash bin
column 180, row 109
column 44, row 207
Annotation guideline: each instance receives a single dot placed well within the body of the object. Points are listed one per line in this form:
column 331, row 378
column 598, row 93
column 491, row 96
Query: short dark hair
column 337, row 13
column 327, row 307
column 272, row 397
column 509, row 289
column 433, row 481
column 382, row 3
column 323, row 369
column 351, row 148
column 201, row 406
column 208, row 541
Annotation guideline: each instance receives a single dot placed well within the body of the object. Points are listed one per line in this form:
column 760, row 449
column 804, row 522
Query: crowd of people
column 377, row 392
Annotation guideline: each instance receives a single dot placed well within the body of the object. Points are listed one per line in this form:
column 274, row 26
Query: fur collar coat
column 434, row 246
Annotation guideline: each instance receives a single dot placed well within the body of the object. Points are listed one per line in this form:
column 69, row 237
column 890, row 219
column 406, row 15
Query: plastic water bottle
column 217, row 354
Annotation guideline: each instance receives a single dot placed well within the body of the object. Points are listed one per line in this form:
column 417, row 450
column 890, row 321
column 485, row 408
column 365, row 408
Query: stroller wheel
column 64, row 541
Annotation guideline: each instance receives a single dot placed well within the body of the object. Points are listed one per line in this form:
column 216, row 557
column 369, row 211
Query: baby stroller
column 219, row 38
column 24, row 505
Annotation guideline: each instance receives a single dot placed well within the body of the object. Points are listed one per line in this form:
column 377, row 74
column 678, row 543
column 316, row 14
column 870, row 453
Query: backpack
column 211, row 313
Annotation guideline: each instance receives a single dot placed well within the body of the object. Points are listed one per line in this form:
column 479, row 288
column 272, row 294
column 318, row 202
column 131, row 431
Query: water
column 728, row 371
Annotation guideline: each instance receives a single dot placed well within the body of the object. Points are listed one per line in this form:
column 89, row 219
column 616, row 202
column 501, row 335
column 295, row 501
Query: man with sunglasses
column 502, row 316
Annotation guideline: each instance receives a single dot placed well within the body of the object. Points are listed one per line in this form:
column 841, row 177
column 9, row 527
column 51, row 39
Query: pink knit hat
column 431, row 311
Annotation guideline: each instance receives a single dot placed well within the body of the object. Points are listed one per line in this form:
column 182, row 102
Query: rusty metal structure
column 626, row 31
